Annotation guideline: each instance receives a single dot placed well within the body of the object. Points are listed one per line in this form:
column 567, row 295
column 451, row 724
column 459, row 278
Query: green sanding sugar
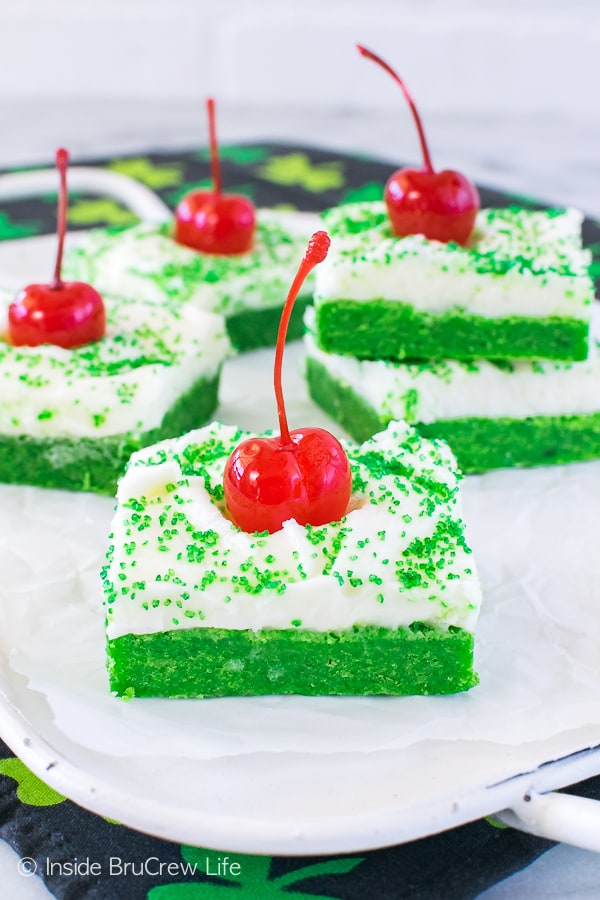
column 247, row 289
column 520, row 288
column 96, row 464
column 378, row 561
column 479, row 444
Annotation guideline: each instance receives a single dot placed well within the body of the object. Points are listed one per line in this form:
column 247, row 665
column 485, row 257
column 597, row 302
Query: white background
column 460, row 55
column 508, row 88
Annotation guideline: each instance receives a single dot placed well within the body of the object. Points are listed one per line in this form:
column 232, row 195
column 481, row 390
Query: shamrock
column 31, row 790
column 241, row 155
column 373, row 190
column 296, row 168
column 246, row 878
column 99, row 212
column 10, row 229
column 142, row 169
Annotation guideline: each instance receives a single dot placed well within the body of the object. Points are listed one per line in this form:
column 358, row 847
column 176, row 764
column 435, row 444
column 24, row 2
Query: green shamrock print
column 246, row 877
column 241, row 155
column 373, row 190
column 142, row 169
column 296, row 168
column 495, row 823
column 97, row 212
column 11, row 230
column 31, row 789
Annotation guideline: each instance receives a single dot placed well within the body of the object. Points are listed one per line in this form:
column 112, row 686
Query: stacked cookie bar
column 488, row 345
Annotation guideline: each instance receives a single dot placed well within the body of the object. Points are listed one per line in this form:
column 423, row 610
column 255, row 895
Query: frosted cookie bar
column 144, row 261
column 519, row 289
column 70, row 418
column 384, row 601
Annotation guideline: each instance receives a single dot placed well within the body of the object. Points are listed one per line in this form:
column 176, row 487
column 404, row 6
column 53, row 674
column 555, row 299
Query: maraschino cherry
column 440, row 205
column 65, row 313
column 211, row 221
column 302, row 474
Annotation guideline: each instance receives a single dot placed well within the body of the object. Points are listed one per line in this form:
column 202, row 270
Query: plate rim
column 308, row 836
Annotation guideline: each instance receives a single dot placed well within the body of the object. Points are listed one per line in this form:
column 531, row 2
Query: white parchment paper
column 535, row 535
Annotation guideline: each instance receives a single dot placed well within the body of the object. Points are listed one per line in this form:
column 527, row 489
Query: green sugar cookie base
column 215, row 662
column 380, row 329
column 253, row 329
column 479, row 444
column 96, row 464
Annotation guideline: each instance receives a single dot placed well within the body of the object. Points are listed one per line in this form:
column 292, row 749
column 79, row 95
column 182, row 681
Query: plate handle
column 134, row 195
column 557, row 817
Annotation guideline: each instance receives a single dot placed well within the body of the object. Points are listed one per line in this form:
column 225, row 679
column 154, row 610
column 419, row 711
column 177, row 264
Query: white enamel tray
column 309, row 775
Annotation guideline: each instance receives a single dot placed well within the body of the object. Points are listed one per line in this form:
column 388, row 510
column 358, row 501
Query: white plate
column 307, row 775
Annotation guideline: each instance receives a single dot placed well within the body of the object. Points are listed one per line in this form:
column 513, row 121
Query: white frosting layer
column 178, row 562
column 519, row 263
column 124, row 383
column 449, row 389
column 144, row 261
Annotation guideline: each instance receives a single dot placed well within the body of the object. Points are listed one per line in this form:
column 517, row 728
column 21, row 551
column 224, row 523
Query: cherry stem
column 316, row 252
column 424, row 148
column 62, row 161
column 215, row 165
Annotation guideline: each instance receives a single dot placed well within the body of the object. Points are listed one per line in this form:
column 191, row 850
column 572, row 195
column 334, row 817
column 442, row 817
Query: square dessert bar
column 384, row 601
column 493, row 414
column 520, row 289
column 143, row 261
column 71, row 418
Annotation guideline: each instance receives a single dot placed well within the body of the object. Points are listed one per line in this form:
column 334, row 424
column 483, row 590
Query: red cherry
column 215, row 223
column 440, row 205
column 211, row 221
column 68, row 314
column 268, row 481
column 304, row 474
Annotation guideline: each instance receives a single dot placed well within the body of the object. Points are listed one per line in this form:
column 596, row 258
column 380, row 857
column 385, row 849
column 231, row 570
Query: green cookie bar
column 71, row 418
column 520, row 289
column 384, row 601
